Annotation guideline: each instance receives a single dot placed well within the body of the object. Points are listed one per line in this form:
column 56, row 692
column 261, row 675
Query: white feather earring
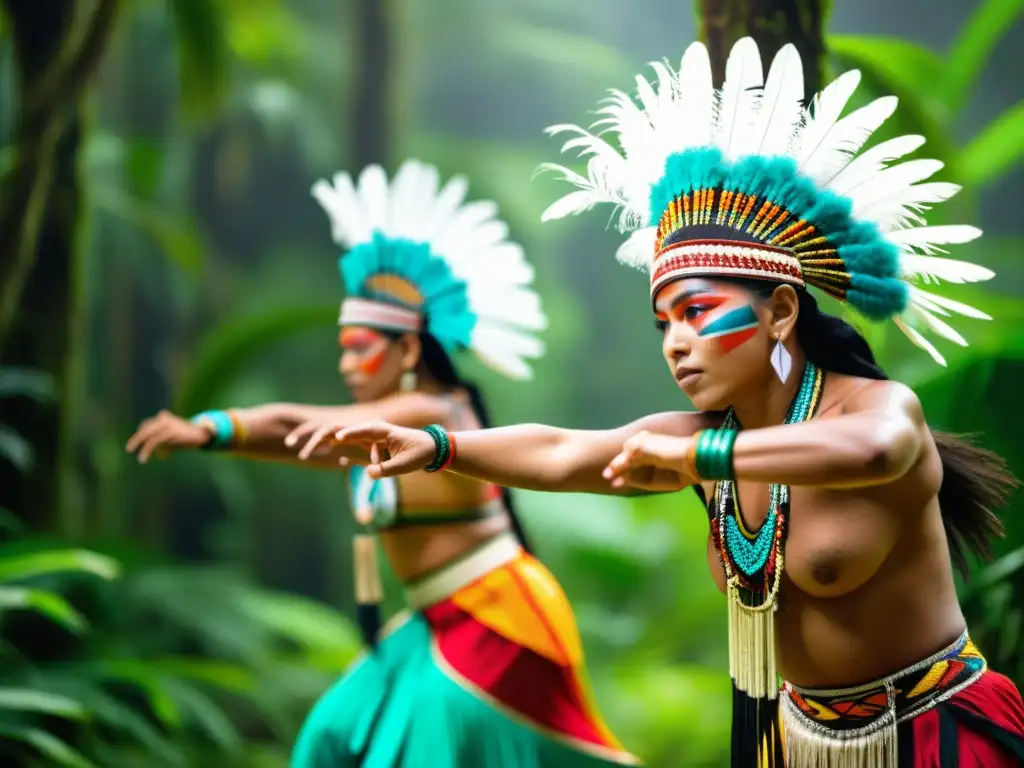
column 408, row 382
column 782, row 361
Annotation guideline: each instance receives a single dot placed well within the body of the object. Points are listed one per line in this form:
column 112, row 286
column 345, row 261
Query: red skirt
column 949, row 711
column 981, row 726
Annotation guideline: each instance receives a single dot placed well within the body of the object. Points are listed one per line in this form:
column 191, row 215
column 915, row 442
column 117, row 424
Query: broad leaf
column 225, row 352
column 203, row 53
column 40, row 702
column 176, row 237
column 26, row 382
column 56, row 752
column 16, row 450
column 996, row 150
column 51, row 605
column 973, row 47
column 16, row 567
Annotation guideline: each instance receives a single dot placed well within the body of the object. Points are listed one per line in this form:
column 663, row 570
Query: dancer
column 487, row 670
column 834, row 509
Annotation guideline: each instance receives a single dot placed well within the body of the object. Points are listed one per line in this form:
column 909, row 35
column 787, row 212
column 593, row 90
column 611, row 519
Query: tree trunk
column 772, row 24
column 371, row 111
column 40, row 221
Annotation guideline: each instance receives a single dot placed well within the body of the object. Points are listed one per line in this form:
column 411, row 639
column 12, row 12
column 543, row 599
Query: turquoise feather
column 876, row 289
column 446, row 302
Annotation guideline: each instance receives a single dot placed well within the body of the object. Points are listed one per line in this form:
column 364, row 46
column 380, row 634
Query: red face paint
column 369, row 347
column 720, row 315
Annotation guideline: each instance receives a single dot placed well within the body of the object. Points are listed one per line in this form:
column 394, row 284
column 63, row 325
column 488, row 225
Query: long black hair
column 440, row 367
column 975, row 481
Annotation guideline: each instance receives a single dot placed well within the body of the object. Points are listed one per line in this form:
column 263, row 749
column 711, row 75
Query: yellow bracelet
column 241, row 433
column 691, row 454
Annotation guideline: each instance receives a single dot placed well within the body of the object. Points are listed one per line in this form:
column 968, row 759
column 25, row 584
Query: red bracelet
column 451, row 454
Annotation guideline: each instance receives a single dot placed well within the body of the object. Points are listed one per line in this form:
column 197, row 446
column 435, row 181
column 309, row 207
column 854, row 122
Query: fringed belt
column 449, row 579
column 852, row 727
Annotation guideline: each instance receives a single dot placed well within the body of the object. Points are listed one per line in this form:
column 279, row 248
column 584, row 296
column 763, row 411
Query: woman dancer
column 834, row 509
column 488, row 669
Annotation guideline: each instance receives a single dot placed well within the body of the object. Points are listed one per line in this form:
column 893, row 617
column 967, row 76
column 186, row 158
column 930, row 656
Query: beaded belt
column 836, row 728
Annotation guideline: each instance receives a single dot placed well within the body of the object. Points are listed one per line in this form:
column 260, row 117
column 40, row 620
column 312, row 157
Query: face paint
column 731, row 327
column 370, row 346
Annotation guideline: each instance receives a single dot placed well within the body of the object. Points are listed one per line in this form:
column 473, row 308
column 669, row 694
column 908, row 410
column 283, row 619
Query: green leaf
column 51, row 605
column 973, row 47
column 178, row 239
column 312, row 625
column 40, row 702
column 26, row 382
column 56, row 752
column 219, row 674
column 203, row 52
column 30, row 565
column 226, row 351
column 148, row 681
column 16, row 449
column 996, row 150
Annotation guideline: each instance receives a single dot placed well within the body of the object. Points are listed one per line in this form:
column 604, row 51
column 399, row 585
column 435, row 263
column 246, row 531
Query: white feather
column 826, row 109
column 845, row 138
column 896, row 177
column 781, row 109
column 920, row 341
column 870, row 162
column 696, row 98
column 741, row 92
column 903, row 206
column 469, row 237
column 942, row 305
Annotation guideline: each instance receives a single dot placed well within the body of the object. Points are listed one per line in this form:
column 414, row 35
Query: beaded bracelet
column 444, row 448
column 712, row 454
column 220, row 424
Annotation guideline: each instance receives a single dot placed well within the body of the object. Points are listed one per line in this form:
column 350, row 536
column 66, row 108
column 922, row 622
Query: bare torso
column 416, row 551
column 868, row 586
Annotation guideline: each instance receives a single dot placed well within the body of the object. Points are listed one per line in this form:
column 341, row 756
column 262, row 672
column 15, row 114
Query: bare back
column 852, row 607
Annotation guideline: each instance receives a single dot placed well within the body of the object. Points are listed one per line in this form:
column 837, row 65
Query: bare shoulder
column 418, row 409
column 856, row 395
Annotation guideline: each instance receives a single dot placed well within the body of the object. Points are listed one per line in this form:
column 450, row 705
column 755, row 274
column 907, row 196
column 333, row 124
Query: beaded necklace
column 753, row 562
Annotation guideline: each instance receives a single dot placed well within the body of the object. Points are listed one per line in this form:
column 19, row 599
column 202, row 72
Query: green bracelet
column 442, row 447
column 713, row 454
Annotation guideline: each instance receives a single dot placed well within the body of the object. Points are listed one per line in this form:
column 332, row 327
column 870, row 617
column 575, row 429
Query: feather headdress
column 419, row 257
column 746, row 181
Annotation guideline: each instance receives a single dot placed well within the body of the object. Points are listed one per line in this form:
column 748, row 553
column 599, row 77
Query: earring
column 408, row 382
column 782, row 361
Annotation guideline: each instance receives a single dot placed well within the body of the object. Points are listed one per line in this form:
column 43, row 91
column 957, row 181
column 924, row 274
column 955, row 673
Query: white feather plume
column 469, row 236
column 627, row 148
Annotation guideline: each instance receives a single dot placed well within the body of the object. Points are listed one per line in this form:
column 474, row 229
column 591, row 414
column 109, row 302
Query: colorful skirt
column 948, row 711
column 486, row 672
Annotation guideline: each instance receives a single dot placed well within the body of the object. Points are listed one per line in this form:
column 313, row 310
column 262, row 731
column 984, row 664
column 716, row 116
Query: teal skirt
column 397, row 708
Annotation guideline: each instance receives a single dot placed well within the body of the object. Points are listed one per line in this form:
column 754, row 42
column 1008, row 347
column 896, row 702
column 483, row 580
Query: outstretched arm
column 878, row 437
column 261, row 429
column 530, row 456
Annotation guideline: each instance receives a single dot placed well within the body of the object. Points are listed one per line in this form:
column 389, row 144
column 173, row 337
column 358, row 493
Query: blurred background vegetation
column 160, row 248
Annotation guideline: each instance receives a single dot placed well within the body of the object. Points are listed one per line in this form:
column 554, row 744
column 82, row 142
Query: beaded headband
column 746, row 181
column 420, row 258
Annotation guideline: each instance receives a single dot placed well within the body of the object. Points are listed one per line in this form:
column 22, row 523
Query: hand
column 392, row 450
column 165, row 432
column 652, row 463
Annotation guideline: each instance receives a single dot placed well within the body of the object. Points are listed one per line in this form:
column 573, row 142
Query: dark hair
column 439, row 365
column 975, row 481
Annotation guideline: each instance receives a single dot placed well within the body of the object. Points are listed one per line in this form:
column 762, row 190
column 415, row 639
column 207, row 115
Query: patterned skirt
column 948, row 711
column 486, row 672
